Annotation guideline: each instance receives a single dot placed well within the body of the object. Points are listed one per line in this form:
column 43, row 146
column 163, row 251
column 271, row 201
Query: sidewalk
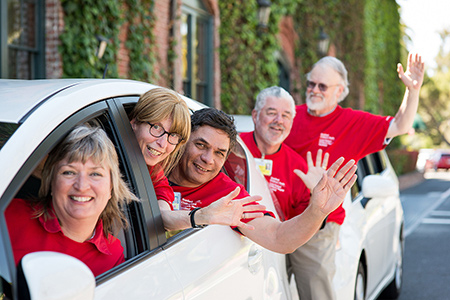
column 410, row 179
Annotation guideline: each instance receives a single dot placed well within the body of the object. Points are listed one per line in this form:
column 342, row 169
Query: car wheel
column 392, row 291
column 360, row 284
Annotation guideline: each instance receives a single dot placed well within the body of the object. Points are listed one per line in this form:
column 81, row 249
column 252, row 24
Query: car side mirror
column 56, row 275
column 375, row 186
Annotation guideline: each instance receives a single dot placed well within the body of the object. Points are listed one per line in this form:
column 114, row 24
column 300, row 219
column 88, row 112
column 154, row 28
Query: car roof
column 18, row 98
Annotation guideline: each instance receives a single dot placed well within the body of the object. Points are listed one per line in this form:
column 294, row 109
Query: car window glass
column 5, row 290
column 236, row 165
column 6, row 131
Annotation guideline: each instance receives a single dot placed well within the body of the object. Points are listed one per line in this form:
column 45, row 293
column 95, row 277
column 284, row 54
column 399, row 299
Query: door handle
column 255, row 256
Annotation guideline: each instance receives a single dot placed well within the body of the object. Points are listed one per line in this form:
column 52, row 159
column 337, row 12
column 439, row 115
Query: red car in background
column 441, row 160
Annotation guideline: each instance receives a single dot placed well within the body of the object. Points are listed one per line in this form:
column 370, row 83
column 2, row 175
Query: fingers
column 299, row 173
column 325, row 160
column 252, row 215
column 248, row 209
column 249, row 199
column 319, row 157
column 246, row 226
column 309, row 160
column 348, row 176
column 335, row 166
column 233, row 194
column 400, row 70
column 350, row 183
column 346, row 171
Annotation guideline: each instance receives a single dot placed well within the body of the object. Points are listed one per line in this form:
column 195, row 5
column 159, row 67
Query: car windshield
column 6, row 131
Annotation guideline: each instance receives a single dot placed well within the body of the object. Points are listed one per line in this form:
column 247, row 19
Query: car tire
column 360, row 283
column 392, row 291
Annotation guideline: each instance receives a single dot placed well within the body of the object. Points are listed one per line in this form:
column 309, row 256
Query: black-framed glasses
column 158, row 131
column 322, row 87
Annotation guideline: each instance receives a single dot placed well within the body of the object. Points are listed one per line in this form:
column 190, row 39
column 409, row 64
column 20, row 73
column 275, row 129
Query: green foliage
column 248, row 63
column 141, row 39
column 434, row 106
column 84, row 20
column 383, row 89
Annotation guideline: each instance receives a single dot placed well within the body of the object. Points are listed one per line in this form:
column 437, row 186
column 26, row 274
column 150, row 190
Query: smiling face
column 272, row 123
column 323, row 102
column 204, row 156
column 80, row 192
column 153, row 148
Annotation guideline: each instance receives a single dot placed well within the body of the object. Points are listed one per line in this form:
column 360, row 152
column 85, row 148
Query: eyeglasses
column 158, row 131
column 322, row 87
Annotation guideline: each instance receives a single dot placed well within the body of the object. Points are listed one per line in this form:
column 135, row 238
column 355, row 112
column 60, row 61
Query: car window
column 6, row 131
column 26, row 185
column 374, row 163
column 236, row 166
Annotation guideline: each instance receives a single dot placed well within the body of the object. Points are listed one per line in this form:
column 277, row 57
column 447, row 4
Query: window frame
column 195, row 12
column 36, row 54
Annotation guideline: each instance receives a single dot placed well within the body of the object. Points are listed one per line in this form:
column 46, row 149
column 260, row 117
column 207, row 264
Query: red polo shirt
column 29, row 234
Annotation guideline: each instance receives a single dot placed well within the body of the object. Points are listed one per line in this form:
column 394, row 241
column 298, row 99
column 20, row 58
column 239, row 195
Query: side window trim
column 154, row 225
column 26, row 170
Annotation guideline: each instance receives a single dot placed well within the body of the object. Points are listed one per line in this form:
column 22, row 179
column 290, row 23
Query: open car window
column 136, row 238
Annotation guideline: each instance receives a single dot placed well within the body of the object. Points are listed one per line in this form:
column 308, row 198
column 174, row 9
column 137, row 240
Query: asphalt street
column 426, row 270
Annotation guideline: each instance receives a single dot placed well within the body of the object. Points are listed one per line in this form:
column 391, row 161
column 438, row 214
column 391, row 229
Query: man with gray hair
column 323, row 125
column 273, row 115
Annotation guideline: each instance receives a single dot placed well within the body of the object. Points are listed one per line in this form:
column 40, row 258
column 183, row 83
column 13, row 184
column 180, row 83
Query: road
column 426, row 271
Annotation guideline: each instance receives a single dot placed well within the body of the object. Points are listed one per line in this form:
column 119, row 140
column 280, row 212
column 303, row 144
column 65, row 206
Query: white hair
column 339, row 67
column 273, row 91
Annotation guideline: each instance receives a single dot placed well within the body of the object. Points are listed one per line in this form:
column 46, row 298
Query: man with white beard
column 323, row 125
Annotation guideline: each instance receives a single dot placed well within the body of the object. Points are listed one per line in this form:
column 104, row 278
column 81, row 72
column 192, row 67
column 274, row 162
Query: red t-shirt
column 163, row 190
column 29, row 234
column 207, row 193
column 290, row 191
column 345, row 132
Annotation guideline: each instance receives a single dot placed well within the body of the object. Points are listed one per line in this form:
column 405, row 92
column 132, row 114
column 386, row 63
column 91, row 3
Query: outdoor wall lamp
column 263, row 14
column 324, row 42
column 102, row 43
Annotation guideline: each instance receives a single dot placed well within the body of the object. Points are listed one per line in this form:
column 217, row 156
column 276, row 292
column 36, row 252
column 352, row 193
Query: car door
column 213, row 262
column 374, row 226
column 141, row 240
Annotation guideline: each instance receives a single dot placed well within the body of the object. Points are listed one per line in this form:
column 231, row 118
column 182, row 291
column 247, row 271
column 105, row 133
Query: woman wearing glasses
column 162, row 125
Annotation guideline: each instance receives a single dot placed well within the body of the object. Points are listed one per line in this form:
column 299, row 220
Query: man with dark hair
column 199, row 181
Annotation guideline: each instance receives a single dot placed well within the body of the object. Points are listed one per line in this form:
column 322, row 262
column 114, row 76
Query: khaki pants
column 313, row 265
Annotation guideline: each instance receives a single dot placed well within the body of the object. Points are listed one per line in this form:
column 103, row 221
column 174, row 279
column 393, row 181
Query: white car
column 210, row 263
column 371, row 243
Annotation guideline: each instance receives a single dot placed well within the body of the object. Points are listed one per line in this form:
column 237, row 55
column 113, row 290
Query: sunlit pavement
column 427, row 230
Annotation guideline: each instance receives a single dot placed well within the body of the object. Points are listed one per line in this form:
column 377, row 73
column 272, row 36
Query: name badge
column 265, row 166
column 176, row 201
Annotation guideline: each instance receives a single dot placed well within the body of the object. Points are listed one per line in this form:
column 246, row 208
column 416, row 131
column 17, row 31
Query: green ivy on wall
column 141, row 39
column 247, row 59
column 84, row 20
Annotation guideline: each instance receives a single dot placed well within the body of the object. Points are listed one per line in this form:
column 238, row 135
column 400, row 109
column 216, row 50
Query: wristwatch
column 192, row 215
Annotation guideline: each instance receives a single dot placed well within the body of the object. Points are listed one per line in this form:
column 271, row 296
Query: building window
column 197, row 51
column 22, row 39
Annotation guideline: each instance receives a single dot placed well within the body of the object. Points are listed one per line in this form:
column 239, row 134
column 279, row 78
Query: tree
column 434, row 104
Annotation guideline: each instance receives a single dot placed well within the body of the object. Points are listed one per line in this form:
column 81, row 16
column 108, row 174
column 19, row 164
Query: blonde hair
column 83, row 143
column 159, row 104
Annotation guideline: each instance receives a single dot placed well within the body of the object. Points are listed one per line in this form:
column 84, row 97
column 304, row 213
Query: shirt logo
column 326, row 140
column 276, row 185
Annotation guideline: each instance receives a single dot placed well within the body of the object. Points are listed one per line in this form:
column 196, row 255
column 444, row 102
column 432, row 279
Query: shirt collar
column 51, row 225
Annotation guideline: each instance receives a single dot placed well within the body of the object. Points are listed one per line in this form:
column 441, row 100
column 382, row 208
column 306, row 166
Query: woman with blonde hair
column 162, row 124
column 80, row 203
